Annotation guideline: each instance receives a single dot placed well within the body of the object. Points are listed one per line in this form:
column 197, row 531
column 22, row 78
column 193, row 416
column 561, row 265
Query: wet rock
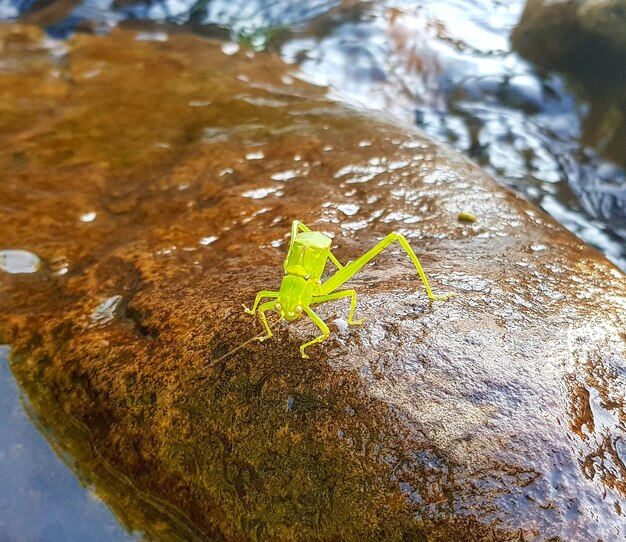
column 550, row 31
column 157, row 185
column 446, row 66
column 558, row 31
column 606, row 18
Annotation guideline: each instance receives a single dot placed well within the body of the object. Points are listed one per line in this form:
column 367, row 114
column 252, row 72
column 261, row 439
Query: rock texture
column 156, row 181
column 559, row 31
column 605, row 18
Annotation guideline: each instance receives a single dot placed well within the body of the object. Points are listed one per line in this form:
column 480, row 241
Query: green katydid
column 302, row 284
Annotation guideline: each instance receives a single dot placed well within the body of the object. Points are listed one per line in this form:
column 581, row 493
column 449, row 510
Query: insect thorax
column 294, row 292
column 308, row 255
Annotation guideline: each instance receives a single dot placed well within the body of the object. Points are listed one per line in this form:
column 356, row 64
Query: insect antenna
column 255, row 338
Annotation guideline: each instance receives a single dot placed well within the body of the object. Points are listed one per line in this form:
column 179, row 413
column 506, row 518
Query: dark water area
column 447, row 67
column 40, row 498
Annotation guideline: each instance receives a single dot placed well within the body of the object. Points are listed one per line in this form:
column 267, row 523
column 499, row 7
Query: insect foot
column 247, row 310
column 442, row 297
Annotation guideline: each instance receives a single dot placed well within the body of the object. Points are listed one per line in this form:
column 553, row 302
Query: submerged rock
column 558, row 31
column 586, row 39
column 156, row 180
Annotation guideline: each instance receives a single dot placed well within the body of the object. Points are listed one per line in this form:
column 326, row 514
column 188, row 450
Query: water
column 40, row 498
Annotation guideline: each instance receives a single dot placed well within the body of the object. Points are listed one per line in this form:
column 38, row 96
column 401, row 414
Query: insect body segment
column 308, row 255
column 295, row 293
column 302, row 285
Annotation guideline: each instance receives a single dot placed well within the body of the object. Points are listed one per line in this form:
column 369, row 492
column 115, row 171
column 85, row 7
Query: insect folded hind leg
column 352, row 268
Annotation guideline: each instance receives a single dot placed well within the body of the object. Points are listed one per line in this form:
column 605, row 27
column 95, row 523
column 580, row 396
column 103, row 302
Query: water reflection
column 40, row 498
column 19, row 261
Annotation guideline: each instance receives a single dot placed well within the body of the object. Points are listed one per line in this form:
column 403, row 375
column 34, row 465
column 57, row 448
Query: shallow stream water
column 40, row 498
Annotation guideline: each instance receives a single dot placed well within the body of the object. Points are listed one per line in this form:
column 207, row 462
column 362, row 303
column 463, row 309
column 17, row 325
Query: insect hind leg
column 418, row 266
column 354, row 267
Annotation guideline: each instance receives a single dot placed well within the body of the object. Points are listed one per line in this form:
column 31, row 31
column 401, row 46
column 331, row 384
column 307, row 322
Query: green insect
column 302, row 285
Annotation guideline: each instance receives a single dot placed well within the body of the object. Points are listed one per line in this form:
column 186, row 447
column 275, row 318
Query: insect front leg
column 339, row 295
column 319, row 323
column 259, row 296
column 266, row 307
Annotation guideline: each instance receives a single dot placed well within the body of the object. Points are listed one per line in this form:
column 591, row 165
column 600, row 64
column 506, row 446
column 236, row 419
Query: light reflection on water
column 40, row 498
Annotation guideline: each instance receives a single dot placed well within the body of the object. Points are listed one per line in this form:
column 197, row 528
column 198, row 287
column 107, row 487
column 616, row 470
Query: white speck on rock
column 88, row 217
column 230, row 48
column 348, row 209
column 151, row 36
column 341, row 324
column 284, row 175
column 19, row 261
column 208, row 240
column 260, row 193
column 106, row 310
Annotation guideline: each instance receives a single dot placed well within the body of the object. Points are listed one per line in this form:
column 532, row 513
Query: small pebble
column 466, row 217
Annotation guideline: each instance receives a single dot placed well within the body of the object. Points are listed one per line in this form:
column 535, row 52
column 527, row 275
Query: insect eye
column 279, row 306
column 298, row 308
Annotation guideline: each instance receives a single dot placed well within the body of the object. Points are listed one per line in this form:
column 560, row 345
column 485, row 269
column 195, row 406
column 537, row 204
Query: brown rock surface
column 557, row 31
column 157, row 181
column 550, row 32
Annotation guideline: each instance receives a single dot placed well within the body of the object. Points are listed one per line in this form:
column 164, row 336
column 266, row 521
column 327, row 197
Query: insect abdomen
column 308, row 255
